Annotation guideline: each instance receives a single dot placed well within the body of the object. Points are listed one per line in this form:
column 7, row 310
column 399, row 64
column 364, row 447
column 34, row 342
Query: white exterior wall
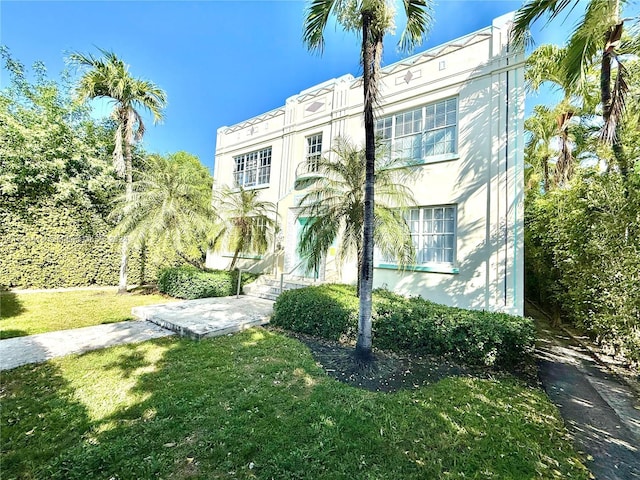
column 484, row 178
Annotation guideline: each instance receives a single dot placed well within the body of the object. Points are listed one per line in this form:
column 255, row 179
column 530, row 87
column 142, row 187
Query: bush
column 328, row 311
column 411, row 325
column 191, row 283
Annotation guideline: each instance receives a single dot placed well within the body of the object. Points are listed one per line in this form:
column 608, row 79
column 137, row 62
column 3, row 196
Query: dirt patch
column 390, row 372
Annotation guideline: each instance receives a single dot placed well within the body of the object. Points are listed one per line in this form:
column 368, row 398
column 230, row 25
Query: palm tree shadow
column 42, row 418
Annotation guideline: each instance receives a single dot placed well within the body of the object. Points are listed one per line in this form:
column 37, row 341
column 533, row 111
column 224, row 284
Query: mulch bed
column 390, row 372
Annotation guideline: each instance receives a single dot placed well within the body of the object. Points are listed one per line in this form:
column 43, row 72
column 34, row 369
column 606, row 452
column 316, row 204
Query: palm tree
column 334, row 207
column 171, row 207
column 541, row 127
column 248, row 222
column 599, row 31
column 546, row 64
column 372, row 18
column 108, row 77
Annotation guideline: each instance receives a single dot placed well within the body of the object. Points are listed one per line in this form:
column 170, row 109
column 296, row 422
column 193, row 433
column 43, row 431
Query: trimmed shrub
column 412, row 325
column 190, row 283
column 328, row 311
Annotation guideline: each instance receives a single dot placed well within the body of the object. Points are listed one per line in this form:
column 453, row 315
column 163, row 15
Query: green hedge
column 582, row 257
column 190, row 283
column 408, row 324
column 50, row 246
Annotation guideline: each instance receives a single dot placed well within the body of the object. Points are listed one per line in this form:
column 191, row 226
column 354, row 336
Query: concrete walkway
column 196, row 319
column 601, row 412
column 45, row 346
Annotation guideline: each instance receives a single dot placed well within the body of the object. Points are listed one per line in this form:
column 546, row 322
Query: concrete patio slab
column 208, row 317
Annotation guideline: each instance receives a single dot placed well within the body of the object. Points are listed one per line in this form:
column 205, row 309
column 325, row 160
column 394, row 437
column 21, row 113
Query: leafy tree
column 108, row 77
column 170, row 208
column 373, row 19
column 248, row 223
column 334, row 207
column 50, row 148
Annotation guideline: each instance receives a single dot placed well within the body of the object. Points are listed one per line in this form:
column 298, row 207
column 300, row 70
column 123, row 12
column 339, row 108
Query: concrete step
column 268, row 287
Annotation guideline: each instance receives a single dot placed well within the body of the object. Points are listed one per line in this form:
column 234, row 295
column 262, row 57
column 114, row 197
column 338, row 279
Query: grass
column 256, row 406
column 31, row 313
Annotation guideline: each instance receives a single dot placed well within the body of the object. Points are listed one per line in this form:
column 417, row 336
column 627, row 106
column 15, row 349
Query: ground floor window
column 433, row 231
column 434, row 236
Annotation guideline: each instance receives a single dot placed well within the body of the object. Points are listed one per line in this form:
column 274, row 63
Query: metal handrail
column 291, row 271
column 240, row 270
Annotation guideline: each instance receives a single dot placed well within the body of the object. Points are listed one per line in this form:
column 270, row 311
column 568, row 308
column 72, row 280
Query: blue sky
column 220, row 62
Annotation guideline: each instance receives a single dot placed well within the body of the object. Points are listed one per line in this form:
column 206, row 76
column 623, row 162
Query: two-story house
column 458, row 111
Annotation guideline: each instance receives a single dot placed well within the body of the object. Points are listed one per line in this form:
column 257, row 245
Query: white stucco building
column 458, row 109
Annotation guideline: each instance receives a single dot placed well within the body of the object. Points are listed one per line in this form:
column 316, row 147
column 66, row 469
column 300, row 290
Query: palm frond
column 136, row 119
column 546, row 64
column 316, row 17
column 419, row 20
column 248, row 221
column 170, row 205
column 534, row 10
column 333, row 207
column 393, row 236
column 586, row 41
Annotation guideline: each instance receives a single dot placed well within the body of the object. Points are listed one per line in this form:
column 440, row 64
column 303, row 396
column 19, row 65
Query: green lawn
column 30, row 313
column 256, row 405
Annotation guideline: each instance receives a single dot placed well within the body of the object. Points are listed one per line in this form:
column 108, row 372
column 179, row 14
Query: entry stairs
column 268, row 287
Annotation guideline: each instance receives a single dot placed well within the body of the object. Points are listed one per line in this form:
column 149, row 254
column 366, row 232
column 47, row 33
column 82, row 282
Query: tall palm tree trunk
column 545, row 173
column 612, row 36
column 128, row 165
column 369, row 55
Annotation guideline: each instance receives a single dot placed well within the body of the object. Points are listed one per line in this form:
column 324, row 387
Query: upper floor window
column 314, row 152
column 253, row 168
column 421, row 133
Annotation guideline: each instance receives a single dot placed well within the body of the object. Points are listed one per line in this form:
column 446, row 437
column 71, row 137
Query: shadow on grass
column 40, row 418
column 10, row 304
column 130, row 362
column 4, row 334
column 256, row 405
column 147, row 289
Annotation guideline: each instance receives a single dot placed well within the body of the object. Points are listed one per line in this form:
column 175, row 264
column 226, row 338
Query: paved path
column 601, row 413
column 45, row 346
column 196, row 319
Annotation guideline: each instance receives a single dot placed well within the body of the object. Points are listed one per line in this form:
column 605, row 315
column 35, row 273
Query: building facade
column 458, row 111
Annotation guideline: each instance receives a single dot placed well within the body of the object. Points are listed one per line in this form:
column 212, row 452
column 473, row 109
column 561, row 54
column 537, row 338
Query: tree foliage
column 247, row 222
column 596, row 40
column 50, row 147
column 582, row 236
column 334, row 207
column 170, row 208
